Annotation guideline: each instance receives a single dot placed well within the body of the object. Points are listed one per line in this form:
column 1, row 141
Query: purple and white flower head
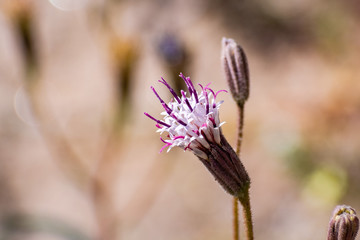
column 191, row 122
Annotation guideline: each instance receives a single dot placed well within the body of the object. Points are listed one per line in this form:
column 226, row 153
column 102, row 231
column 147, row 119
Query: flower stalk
column 237, row 75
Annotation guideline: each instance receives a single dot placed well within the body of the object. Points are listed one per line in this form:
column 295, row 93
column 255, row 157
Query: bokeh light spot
column 22, row 107
column 327, row 185
column 69, row 5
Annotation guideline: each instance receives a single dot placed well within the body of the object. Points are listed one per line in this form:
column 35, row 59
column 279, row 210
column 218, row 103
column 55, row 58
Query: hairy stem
column 236, row 218
column 245, row 202
column 238, row 147
column 240, row 128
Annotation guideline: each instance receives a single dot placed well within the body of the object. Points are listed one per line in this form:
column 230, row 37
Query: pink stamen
column 220, row 92
column 211, row 92
column 165, row 146
column 206, row 97
column 191, row 87
column 177, row 137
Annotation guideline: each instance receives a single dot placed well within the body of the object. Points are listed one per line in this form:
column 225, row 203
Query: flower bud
column 344, row 224
column 236, row 70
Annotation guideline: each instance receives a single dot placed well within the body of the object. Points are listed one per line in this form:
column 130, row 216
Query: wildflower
column 192, row 122
column 344, row 224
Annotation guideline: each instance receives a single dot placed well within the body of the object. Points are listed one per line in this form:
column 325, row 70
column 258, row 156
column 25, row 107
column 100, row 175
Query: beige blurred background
column 79, row 160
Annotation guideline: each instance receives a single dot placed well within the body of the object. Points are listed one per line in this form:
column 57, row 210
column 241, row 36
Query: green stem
column 245, row 202
column 238, row 147
column 240, row 128
column 236, row 218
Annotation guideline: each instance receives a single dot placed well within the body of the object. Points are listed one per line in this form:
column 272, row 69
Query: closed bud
column 344, row 224
column 236, row 70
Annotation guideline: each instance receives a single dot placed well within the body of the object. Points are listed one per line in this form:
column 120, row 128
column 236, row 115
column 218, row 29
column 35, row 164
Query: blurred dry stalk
column 20, row 12
column 99, row 180
column 123, row 54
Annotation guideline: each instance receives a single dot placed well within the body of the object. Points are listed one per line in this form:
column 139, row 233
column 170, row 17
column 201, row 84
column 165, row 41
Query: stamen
column 167, row 109
column 186, row 100
column 194, row 90
column 165, row 146
column 170, row 89
column 186, row 82
column 190, row 86
column 214, row 95
column 207, row 102
column 206, row 97
column 158, row 121
column 211, row 91
column 163, row 140
column 177, row 137
column 157, row 95
column 220, row 92
column 178, row 120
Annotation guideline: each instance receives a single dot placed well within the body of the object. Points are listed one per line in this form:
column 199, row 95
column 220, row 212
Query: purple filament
column 178, row 120
column 186, row 100
column 187, row 83
column 170, row 89
column 206, row 97
column 158, row 121
column 167, row 109
column 190, row 86
column 193, row 88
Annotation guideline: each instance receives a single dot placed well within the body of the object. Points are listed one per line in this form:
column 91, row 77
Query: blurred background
column 79, row 160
